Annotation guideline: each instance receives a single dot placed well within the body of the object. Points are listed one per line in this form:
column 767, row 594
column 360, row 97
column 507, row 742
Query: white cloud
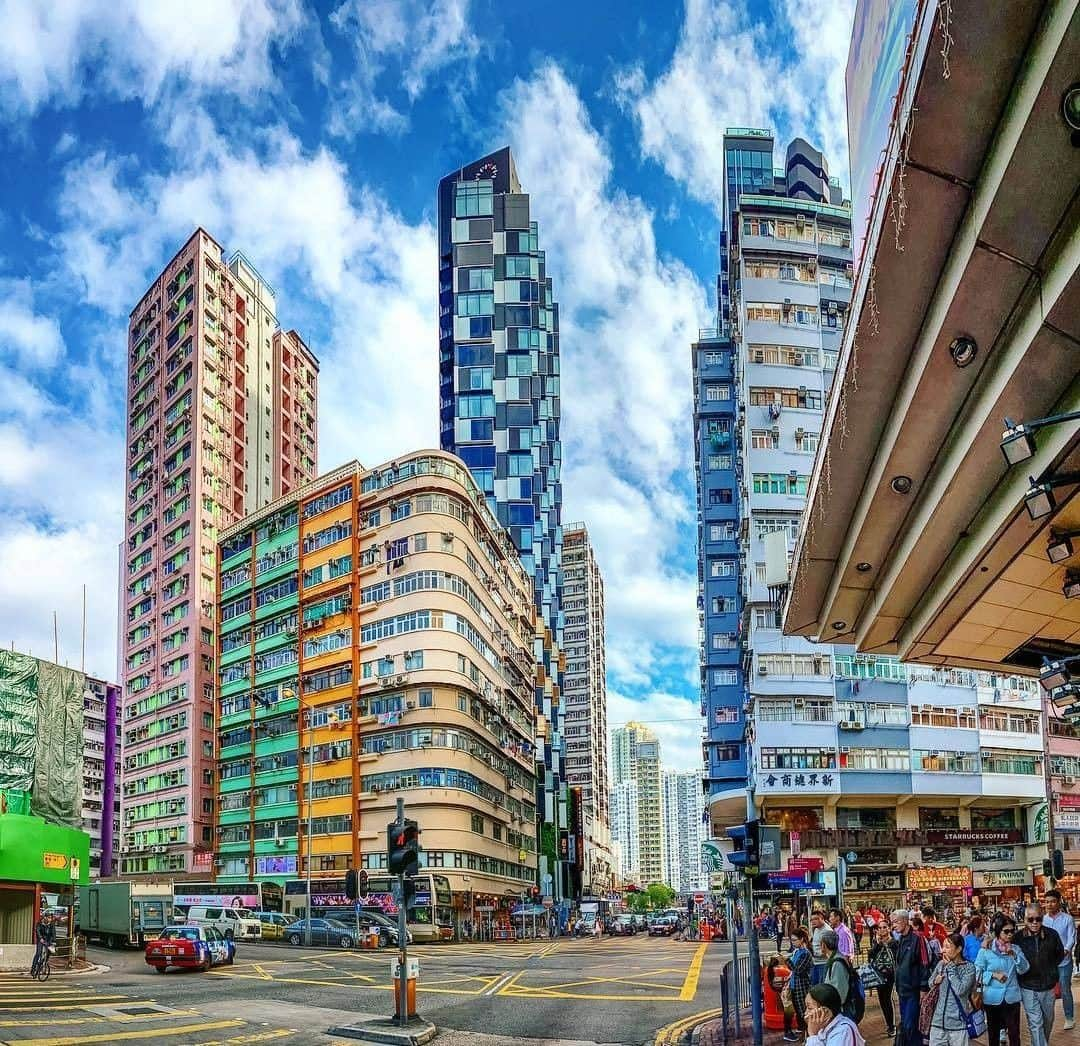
column 132, row 49
column 675, row 720
column 31, row 339
column 730, row 70
column 397, row 46
column 628, row 316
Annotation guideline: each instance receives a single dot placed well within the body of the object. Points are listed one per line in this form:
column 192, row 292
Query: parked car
column 231, row 922
column 328, row 932
column 641, row 921
column 274, row 924
column 388, row 929
column 664, row 926
column 622, row 926
column 191, row 947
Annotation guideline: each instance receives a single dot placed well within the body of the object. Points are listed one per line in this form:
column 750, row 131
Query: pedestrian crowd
column 942, row 982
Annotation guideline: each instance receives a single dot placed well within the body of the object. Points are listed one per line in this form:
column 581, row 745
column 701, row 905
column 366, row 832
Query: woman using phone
column 802, row 966
column 955, row 978
column 826, row 1025
column 883, row 962
column 998, row 965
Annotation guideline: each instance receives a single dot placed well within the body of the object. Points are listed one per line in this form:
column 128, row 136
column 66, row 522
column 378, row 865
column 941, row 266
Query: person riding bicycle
column 44, row 938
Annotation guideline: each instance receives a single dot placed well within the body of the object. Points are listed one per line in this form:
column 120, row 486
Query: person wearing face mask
column 826, row 1025
column 997, row 969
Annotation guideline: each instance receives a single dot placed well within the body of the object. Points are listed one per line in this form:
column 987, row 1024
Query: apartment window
column 1008, row 722
column 720, row 496
column 721, row 568
column 717, row 393
column 875, row 759
column 807, row 442
column 769, row 524
column 725, row 716
column 803, row 398
column 795, row 664
column 780, row 483
column 725, row 641
column 764, row 439
column 766, row 618
column 783, row 355
column 798, row 759
column 718, row 462
column 474, row 198
column 714, row 359
column 477, row 824
column 723, row 605
column 725, row 677
column 1010, row 763
column 941, row 762
column 482, row 304
column 722, row 531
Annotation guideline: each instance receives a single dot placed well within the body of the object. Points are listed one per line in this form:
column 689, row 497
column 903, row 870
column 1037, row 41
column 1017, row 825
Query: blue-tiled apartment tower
column 499, row 410
column 719, row 575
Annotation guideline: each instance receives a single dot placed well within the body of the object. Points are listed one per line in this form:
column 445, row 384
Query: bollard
column 412, row 975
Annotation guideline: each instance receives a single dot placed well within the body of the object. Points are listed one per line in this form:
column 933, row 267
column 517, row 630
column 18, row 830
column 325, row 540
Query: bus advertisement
column 255, row 897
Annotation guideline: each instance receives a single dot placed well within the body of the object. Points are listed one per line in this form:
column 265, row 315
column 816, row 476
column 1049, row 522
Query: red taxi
column 194, row 947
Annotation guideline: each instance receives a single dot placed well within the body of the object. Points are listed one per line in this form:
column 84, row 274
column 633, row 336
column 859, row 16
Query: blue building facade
column 499, row 411
column 720, row 585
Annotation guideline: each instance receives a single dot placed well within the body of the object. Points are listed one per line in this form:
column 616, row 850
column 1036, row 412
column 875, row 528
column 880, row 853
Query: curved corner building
column 375, row 639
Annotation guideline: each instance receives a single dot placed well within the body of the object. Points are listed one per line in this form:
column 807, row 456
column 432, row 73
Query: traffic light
column 1059, row 865
column 361, row 882
column 351, row 890
column 535, row 893
column 745, row 854
column 403, row 848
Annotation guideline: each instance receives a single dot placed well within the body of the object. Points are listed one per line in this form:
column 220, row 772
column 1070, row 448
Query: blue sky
column 311, row 136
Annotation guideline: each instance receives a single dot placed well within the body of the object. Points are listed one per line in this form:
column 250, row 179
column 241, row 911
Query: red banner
column 801, row 865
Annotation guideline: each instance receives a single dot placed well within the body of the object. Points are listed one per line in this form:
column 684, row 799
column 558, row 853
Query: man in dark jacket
column 44, row 937
column 912, row 977
column 1044, row 951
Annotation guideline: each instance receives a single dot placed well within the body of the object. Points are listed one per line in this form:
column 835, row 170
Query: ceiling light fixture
column 1070, row 588
column 1070, row 110
column 1039, row 499
column 863, row 568
column 1018, row 440
column 1060, row 547
column 901, row 484
column 839, row 626
column 963, row 350
column 1054, row 674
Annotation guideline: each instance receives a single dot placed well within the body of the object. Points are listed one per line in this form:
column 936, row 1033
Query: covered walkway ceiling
column 916, row 541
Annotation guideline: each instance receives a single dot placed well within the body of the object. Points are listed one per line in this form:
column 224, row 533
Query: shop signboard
column 1001, row 854
column 1007, row 877
column 1067, row 821
column 799, row 865
column 1069, row 800
column 972, row 836
column 956, row 878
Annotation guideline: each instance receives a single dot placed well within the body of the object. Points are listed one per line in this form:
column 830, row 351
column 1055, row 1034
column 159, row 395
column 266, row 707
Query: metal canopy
column 954, row 571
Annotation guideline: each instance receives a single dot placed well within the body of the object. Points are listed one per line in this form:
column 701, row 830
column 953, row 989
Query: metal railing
column 735, row 997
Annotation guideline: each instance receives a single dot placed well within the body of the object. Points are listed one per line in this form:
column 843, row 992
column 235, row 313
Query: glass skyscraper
column 499, row 412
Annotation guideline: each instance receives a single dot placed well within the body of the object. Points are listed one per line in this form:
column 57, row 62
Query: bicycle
column 40, row 970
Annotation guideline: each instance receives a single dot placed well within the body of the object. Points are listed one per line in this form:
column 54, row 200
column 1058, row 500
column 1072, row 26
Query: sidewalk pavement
column 711, row 1033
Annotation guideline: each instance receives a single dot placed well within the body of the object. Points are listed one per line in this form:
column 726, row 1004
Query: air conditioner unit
column 279, row 842
column 1068, row 780
column 847, row 724
column 410, row 704
column 159, row 849
column 762, row 670
column 400, row 679
column 799, row 433
column 448, row 535
column 800, row 702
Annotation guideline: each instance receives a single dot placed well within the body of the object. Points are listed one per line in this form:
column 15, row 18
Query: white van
column 234, row 923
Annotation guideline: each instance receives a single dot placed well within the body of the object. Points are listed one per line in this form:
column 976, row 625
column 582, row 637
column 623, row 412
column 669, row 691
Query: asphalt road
column 617, row 990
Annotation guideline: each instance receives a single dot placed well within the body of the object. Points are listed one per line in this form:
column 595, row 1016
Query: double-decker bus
column 255, row 897
column 429, row 916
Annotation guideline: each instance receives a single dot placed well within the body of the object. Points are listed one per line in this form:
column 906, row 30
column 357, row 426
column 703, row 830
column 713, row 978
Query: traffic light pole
column 403, row 947
column 756, row 1001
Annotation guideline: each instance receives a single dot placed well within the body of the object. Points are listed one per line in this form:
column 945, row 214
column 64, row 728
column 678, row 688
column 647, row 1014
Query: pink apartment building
column 221, row 421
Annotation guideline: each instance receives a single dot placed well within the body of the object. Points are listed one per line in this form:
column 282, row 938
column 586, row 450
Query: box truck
column 118, row 914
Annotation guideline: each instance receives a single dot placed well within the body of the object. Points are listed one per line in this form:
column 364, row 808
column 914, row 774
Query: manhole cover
column 139, row 1011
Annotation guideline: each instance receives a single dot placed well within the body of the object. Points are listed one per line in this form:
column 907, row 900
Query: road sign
column 548, row 902
column 799, row 865
column 796, row 843
column 782, row 881
column 699, row 898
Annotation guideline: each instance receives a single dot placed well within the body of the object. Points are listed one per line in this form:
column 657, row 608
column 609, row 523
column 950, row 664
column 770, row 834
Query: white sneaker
column 1069, row 1023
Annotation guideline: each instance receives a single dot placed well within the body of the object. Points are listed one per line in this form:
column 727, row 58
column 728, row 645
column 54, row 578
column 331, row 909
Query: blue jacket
column 988, row 962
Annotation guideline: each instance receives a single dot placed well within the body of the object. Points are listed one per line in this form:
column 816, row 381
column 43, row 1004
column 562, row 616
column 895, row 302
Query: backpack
column 854, row 1007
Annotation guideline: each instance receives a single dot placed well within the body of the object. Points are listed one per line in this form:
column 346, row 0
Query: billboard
column 217, row 900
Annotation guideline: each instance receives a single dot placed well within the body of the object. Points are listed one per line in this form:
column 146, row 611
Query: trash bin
column 771, row 987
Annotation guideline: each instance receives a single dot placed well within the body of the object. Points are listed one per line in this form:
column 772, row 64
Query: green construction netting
column 41, row 736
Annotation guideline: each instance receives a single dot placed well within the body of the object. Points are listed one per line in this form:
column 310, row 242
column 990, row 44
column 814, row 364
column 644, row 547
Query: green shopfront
column 41, row 864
